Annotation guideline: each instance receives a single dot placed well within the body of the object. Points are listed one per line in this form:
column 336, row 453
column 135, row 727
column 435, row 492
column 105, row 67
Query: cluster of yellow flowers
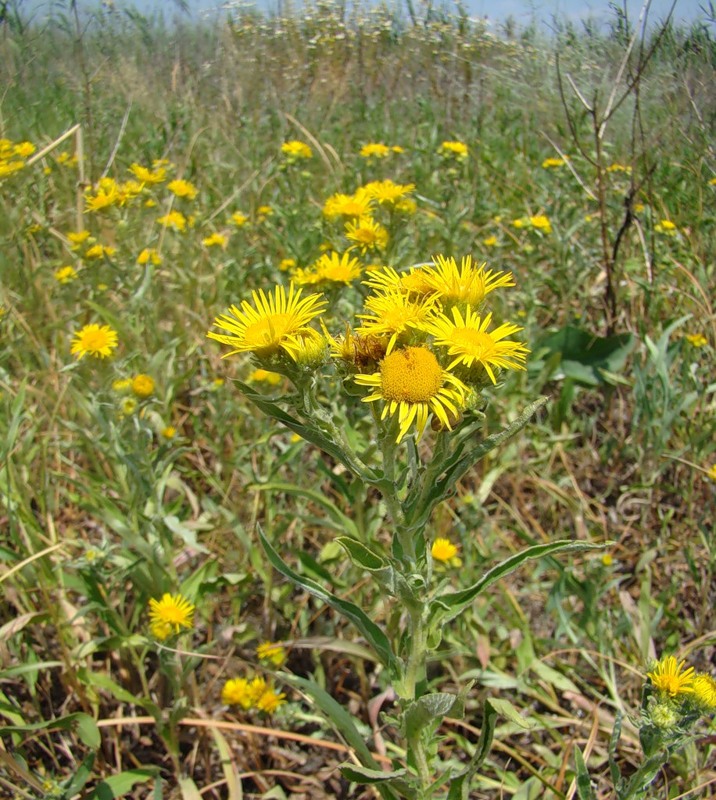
column 378, row 150
column 254, row 693
column 679, row 693
column 538, row 222
column 14, row 155
column 458, row 151
column 422, row 345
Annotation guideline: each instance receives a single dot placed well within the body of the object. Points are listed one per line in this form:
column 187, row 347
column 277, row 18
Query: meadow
column 357, row 386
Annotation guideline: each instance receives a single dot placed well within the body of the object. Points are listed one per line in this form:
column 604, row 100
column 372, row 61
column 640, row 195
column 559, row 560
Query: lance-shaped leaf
column 460, row 785
column 428, row 709
column 309, row 432
column 372, row 633
column 430, row 491
column 449, row 605
column 381, row 780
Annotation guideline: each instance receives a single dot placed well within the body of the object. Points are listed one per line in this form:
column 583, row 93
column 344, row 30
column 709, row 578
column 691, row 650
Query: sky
column 523, row 11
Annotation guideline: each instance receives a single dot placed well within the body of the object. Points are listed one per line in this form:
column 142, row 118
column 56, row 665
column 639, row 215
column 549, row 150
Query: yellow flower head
column 456, row 150
column 412, row 384
column 100, row 251
column 94, row 340
column 77, row 238
column 388, row 193
column 348, row 205
column 269, row 700
column 392, row 313
column 265, row 376
column 296, row 150
column 541, row 223
column 143, row 385
column 367, row 234
column 375, row 150
column 236, row 693
column 239, row 219
column 696, row 339
column 168, row 432
column 273, row 653
column 306, row 347
column 65, row 274
column 215, row 240
column 106, row 194
column 182, row 188
column 174, row 219
column 471, row 343
column 331, row 268
column 146, row 175
column 264, row 327
column 445, row 551
column 666, row 226
column 669, row 677
column 149, row 256
column 549, row 163
column 169, row 615
column 704, row 691
column 416, row 281
column 711, row 472
column 467, row 284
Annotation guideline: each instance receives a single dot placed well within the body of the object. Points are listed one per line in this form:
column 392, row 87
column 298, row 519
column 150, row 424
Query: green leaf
column 372, row 633
column 87, row 731
column 83, row 724
column 453, row 603
column 340, row 718
column 369, row 776
column 505, row 709
column 428, row 492
column 584, row 782
column 362, row 556
column 82, row 774
column 121, row 784
column 425, row 710
column 340, row 521
column 306, row 431
column 460, row 785
column 189, row 790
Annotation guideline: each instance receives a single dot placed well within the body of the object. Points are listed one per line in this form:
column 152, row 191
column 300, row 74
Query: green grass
column 99, row 512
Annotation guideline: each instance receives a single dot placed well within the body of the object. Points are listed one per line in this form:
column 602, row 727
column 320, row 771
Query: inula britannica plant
column 391, row 378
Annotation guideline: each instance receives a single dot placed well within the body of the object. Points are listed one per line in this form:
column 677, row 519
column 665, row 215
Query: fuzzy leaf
column 372, row 633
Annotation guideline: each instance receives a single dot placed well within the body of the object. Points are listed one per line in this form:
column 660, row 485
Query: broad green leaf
column 427, row 709
column 372, row 633
column 119, row 785
column 453, row 603
column 87, row 731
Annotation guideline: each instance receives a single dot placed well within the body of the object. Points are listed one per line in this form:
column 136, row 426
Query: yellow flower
column 696, row 339
column 711, row 472
column 265, row 376
column 65, row 274
column 264, row 211
column 100, row 251
column 149, row 256
column 94, row 340
column 264, row 327
column 415, row 281
column 287, row 264
column 143, row 385
column 471, row 343
column 367, row 234
column 468, row 283
column 553, row 162
column 168, row 432
column 174, row 219
column 412, row 384
column 269, row 700
column 607, row 560
column 457, row 150
column 389, row 193
column 445, row 551
column 666, row 226
column 129, row 406
column 519, row 223
column 392, row 313
column 273, row 653
column 348, row 205
column 375, row 150
column 169, row 615
column 490, row 241
column 669, row 677
column 77, row 238
column 24, row 149
column 619, row 168
column 182, row 188
column 704, row 691
column 296, row 150
column 215, row 240
column 239, row 219
column 236, row 693
column 146, row 175
column 330, row 268
column 107, row 194
column 541, row 223
column 307, row 348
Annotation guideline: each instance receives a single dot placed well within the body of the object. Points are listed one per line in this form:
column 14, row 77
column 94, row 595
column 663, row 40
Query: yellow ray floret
column 265, row 327
column 469, row 283
column 412, row 384
column 669, row 677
